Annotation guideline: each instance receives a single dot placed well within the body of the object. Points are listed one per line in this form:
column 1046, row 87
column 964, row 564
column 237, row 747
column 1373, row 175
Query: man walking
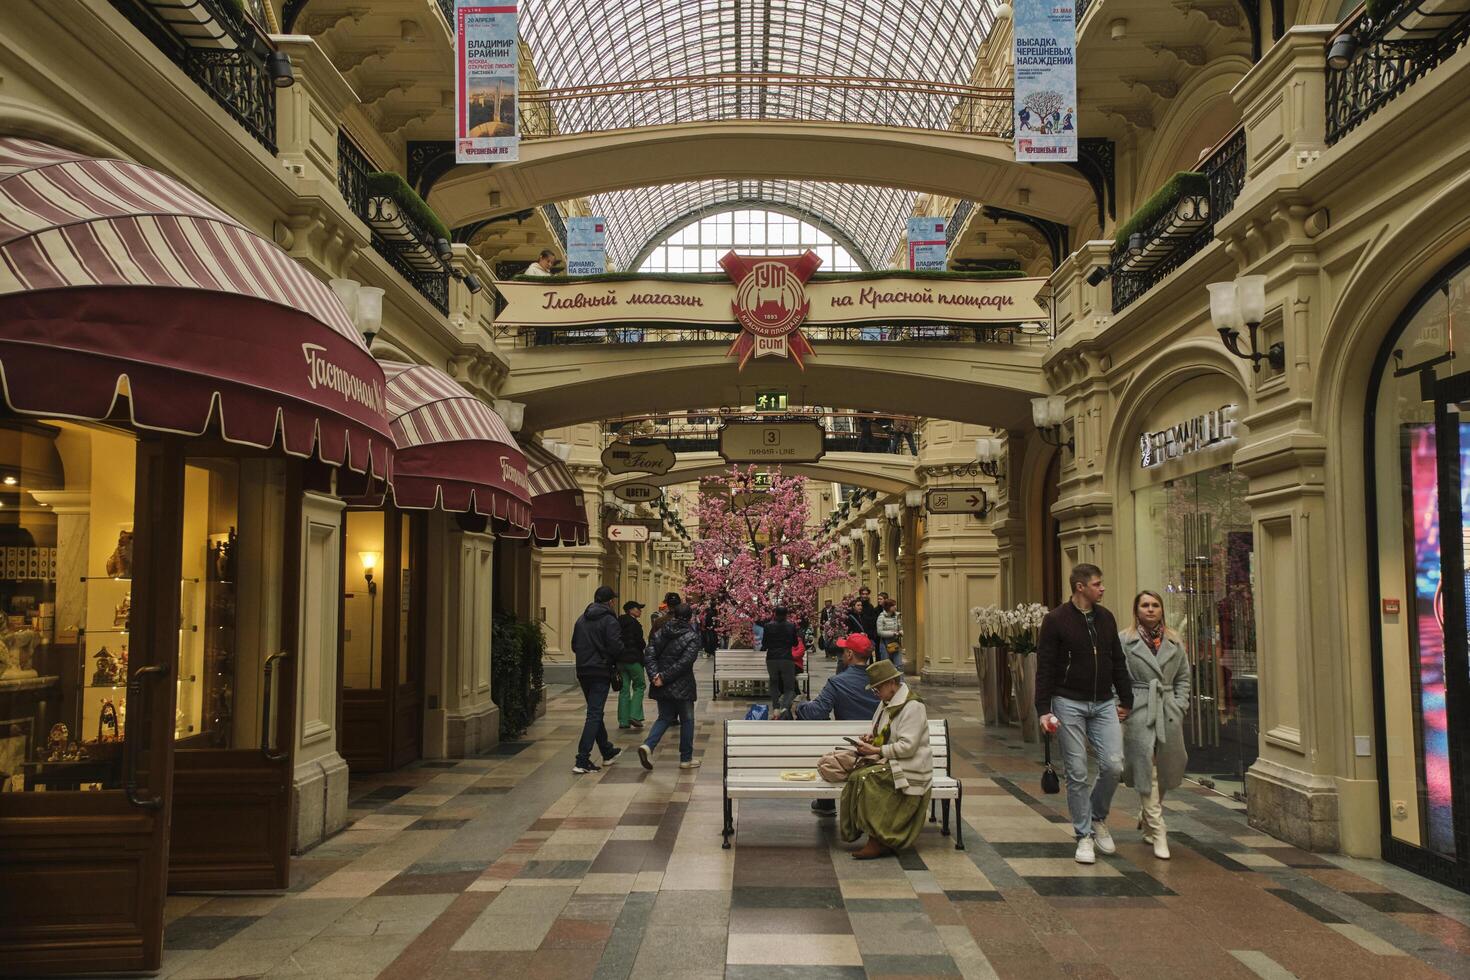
column 630, row 667
column 778, row 641
column 869, row 617
column 1079, row 666
column 597, row 642
column 845, row 696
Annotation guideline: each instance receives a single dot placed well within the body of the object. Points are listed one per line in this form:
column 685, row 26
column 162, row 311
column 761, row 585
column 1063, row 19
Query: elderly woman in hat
column 887, row 801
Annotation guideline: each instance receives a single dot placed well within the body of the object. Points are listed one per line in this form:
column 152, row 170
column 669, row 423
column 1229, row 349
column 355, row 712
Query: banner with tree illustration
column 1045, row 94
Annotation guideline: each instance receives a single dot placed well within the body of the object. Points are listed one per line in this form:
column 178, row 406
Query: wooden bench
column 757, row 752
column 749, row 665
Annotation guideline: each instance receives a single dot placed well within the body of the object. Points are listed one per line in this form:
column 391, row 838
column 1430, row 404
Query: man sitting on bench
column 845, row 697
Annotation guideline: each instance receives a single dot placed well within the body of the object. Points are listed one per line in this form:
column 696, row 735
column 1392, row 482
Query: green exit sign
column 771, row 401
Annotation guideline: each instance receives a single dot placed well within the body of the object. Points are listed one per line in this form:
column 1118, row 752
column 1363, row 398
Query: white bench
column 749, row 665
column 757, row 752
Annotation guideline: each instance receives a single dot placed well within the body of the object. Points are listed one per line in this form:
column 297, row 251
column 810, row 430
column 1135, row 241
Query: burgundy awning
column 558, row 506
column 117, row 280
column 453, row 451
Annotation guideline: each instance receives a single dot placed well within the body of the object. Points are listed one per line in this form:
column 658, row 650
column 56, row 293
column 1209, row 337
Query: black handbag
column 1050, row 784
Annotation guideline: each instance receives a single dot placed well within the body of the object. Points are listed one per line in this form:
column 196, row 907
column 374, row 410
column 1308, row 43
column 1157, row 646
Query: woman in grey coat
column 1154, row 755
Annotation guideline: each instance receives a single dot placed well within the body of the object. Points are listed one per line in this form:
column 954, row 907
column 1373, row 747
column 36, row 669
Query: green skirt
column 871, row 804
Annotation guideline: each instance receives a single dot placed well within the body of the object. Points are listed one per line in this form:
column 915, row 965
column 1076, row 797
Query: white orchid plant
column 991, row 620
column 1015, row 629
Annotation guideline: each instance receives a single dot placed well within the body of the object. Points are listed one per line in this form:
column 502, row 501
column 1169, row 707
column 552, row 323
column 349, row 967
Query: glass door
column 90, row 602
column 235, row 680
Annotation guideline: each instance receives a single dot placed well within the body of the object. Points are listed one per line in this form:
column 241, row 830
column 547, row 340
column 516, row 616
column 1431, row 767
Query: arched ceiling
column 866, row 219
column 586, row 42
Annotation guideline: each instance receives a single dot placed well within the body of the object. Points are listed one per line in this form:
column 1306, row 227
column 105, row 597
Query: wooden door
column 84, row 840
column 236, row 675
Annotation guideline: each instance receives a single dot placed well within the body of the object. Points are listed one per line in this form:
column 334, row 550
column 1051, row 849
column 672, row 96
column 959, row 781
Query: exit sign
column 771, row 401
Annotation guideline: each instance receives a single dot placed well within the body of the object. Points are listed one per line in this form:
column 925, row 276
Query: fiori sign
column 770, row 304
column 1204, row 431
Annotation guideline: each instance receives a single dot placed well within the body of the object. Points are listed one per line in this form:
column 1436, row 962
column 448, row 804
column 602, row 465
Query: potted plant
column 990, row 660
column 1023, row 632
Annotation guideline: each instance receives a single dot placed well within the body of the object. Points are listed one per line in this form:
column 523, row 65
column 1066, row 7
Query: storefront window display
column 1410, row 469
column 66, row 525
column 1195, row 549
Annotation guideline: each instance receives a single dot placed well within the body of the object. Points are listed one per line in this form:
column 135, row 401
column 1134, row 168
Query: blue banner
column 928, row 250
column 485, row 81
column 586, row 246
column 1045, row 35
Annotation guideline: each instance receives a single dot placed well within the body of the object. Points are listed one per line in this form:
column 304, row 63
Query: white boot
column 1161, row 846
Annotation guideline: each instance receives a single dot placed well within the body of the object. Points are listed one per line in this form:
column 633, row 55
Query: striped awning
column 118, row 281
column 454, row 452
column 558, row 506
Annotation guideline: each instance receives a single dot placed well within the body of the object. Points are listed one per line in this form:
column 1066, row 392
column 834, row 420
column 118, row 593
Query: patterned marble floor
column 511, row 866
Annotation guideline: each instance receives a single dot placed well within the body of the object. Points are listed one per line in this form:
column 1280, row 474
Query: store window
column 1407, row 476
column 66, row 526
column 1195, row 549
column 362, row 615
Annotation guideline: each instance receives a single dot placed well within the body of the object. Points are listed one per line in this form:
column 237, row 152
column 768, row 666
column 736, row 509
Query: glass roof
column 867, row 221
column 699, row 245
column 587, row 42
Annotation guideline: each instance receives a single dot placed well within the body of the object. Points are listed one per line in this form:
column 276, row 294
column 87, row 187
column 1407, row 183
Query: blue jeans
column 1094, row 723
column 669, row 712
column 594, row 689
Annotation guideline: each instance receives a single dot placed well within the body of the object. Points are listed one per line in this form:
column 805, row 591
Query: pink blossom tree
column 755, row 552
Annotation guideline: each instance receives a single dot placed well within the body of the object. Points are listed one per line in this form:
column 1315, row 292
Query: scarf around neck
column 1152, row 635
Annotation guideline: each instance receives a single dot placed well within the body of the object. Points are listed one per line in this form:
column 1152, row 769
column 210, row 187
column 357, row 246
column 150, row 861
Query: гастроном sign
column 1213, row 428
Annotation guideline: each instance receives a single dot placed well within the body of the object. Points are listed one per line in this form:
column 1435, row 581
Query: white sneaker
column 645, row 756
column 691, row 764
column 1161, row 847
column 1104, row 838
column 1085, row 853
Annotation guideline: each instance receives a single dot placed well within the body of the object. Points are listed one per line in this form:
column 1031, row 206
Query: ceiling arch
column 841, row 237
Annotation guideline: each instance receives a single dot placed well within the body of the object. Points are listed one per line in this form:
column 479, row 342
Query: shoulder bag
column 1050, row 784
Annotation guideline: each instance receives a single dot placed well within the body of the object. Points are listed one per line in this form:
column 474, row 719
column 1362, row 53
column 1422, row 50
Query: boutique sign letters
column 1205, row 431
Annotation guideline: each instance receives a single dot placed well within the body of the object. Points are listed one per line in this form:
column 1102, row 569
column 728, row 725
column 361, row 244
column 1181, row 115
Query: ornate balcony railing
column 723, row 96
column 557, row 222
column 957, row 221
column 234, row 73
column 353, row 169
column 1080, row 9
column 1393, row 52
column 446, row 7
column 1224, row 172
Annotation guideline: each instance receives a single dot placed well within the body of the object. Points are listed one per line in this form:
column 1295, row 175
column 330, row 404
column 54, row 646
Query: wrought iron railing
column 1224, row 171
column 957, row 221
column 623, row 336
column 1080, row 9
column 446, row 7
column 1385, row 64
column 557, row 222
column 236, row 78
column 353, row 168
column 899, row 102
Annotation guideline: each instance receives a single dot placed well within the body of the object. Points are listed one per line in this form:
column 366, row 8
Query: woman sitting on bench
column 888, row 801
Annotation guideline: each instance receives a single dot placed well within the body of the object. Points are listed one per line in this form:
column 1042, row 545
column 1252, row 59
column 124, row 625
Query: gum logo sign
column 770, row 304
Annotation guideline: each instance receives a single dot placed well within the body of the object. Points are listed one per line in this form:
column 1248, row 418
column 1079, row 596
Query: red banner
column 770, row 304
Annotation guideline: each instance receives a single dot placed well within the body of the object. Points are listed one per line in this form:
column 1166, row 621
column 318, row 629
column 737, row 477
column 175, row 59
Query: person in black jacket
column 597, row 642
column 778, row 640
column 630, row 667
column 869, row 617
column 1079, row 665
column 670, row 662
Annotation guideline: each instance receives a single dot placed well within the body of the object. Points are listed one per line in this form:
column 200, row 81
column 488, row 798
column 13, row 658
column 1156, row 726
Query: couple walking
column 1124, row 694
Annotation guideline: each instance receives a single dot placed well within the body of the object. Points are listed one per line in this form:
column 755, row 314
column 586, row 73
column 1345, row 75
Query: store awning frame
column 558, row 505
column 454, row 453
column 119, row 282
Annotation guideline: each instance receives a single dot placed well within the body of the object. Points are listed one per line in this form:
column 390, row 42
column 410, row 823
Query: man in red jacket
column 1079, row 666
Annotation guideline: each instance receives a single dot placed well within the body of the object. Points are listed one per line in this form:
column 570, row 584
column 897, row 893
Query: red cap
column 857, row 643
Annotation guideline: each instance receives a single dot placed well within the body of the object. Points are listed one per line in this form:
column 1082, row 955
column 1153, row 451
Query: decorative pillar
column 470, row 718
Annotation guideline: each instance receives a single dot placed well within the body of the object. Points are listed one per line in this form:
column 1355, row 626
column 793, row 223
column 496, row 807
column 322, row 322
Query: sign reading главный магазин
column 1205, row 431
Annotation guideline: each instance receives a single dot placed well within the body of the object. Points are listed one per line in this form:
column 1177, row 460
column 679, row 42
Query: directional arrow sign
column 627, row 532
column 956, row 500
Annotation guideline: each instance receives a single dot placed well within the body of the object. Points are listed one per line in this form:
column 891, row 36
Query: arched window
column 697, row 246
column 1411, row 463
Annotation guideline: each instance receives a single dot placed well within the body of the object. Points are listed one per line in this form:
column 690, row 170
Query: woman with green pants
column 630, row 667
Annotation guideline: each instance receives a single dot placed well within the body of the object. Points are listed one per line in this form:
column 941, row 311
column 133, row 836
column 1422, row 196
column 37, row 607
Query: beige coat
column 907, row 749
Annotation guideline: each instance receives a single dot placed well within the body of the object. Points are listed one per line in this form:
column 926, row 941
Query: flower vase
column 989, row 668
column 1023, row 681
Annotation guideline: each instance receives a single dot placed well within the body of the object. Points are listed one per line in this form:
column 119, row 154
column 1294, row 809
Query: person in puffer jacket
column 670, row 663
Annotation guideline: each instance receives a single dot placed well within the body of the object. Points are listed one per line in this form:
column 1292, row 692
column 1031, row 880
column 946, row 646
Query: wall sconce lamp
column 891, row 511
column 991, row 452
column 1340, row 53
column 1050, row 415
column 369, row 562
column 913, row 498
column 871, row 524
column 278, row 67
column 1242, row 303
column 513, row 414
column 364, row 306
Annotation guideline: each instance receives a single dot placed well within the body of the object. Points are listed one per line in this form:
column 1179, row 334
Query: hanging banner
column 485, row 82
column 928, row 249
column 1045, row 98
column 586, row 246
